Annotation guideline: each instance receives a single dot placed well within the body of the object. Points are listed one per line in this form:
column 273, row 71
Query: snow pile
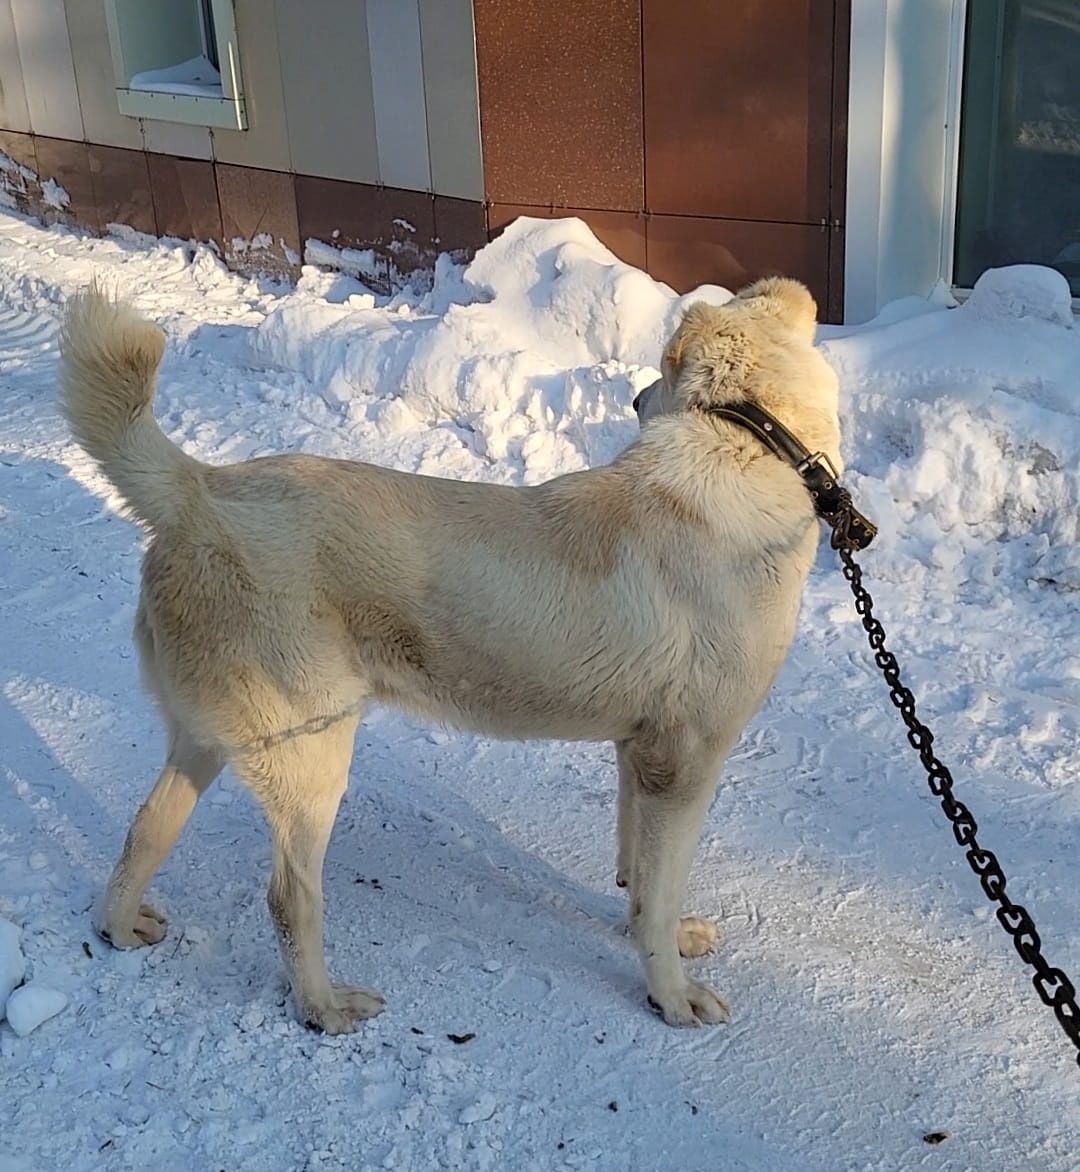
column 531, row 356
column 197, row 77
column 961, row 423
column 963, row 428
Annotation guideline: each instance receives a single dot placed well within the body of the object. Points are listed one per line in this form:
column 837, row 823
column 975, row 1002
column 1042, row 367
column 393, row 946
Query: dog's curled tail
column 109, row 358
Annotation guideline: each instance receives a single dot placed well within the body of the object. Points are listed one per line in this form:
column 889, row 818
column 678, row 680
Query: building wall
column 706, row 150
column 363, row 129
column 705, row 142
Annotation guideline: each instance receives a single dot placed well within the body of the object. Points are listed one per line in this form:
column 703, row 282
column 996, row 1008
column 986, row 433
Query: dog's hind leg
column 300, row 781
column 674, row 787
column 121, row 917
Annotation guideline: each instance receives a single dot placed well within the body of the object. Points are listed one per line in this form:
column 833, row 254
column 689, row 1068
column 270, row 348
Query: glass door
column 1018, row 197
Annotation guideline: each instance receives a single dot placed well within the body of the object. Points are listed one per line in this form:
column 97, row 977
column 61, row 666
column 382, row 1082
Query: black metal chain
column 1053, row 986
column 852, row 531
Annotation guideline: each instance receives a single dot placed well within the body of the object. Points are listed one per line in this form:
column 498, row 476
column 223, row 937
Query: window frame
column 879, row 189
column 951, row 194
column 228, row 112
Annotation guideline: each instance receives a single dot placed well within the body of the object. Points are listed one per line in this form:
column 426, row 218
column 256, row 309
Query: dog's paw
column 149, row 928
column 697, row 937
column 349, row 1006
column 693, row 1005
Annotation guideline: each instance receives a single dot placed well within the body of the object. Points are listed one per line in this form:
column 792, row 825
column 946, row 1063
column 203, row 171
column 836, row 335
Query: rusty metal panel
column 838, row 161
column 622, row 232
column 185, row 197
column 738, row 108
column 121, row 183
column 391, row 220
column 687, row 251
column 68, row 164
column 560, row 102
column 258, row 219
column 460, row 225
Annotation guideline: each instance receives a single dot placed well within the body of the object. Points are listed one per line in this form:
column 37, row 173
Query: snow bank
column 532, row 352
column 961, row 423
column 963, row 426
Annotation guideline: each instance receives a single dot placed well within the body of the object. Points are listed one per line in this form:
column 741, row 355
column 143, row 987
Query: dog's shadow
column 422, row 891
column 68, row 668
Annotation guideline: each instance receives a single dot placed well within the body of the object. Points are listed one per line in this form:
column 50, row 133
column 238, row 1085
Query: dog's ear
column 709, row 357
column 695, row 326
column 786, row 299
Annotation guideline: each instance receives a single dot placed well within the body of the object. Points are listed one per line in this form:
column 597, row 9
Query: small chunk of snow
column 477, row 1112
column 54, row 195
column 12, row 962
column 32, row 1004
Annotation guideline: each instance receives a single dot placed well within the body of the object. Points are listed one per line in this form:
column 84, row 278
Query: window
column 177, row 60
column 1018, row 198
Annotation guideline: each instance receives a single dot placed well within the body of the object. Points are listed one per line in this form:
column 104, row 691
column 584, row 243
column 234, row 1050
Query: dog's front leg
column 697, row 936
column 626, row 830
column 673, row 787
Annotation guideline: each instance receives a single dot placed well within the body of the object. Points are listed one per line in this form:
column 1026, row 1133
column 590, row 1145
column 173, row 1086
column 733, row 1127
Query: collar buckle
column 815, row 461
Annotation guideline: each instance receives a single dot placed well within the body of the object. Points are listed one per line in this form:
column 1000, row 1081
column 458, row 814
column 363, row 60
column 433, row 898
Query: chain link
column 1052, row 985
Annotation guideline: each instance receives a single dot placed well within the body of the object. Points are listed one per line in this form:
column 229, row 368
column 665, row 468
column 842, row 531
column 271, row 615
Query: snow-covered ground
column 875, row 999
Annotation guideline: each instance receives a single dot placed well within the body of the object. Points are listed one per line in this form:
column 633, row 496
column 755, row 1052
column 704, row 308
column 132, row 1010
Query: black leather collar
column 831, row 500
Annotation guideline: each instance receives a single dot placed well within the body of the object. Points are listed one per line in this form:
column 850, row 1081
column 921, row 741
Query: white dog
column 649, row 603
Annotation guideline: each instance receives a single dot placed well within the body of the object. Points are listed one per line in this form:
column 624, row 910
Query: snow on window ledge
column 195, row 77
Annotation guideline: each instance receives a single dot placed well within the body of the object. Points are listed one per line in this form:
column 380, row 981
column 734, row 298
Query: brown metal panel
column 20, row 147
column 560, row 102
column 185, row 197
column 258, row 219
column 68, row 164
column 622, row 232
column 408, row 235
column 686, row 252
column 338, row 212
column 738, row 108
column 460, row 225
column 121, row 183
column 838, row 161
column 25, row 192
column 396, row 222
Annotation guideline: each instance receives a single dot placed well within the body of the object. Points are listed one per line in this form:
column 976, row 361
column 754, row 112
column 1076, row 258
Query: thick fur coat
column 650, row 602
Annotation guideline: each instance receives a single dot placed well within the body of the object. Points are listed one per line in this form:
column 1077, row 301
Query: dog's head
column 737, row 351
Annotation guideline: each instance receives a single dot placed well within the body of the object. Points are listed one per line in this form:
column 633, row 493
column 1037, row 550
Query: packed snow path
column 472, row 882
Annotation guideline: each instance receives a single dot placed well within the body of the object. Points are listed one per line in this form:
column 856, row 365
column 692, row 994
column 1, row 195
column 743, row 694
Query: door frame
column 903, row 142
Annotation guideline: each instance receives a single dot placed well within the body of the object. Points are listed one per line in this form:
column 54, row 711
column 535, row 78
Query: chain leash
column 852, row 531
column 1051, row 983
